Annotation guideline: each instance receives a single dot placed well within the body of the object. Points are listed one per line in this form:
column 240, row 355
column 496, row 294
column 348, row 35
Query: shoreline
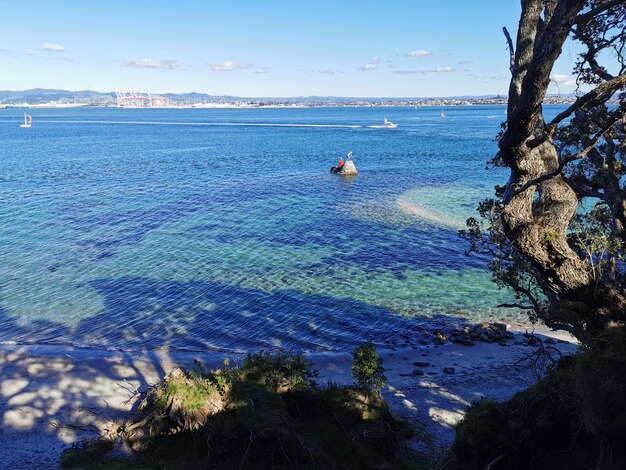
column 53, row 396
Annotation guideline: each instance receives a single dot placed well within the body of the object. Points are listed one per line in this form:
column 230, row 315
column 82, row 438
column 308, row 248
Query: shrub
column 367, row 368
column 573, row 418
column 282, row 371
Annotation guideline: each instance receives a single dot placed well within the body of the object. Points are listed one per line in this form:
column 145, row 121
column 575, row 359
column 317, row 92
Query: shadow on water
column 142, row 314
column 48, row 399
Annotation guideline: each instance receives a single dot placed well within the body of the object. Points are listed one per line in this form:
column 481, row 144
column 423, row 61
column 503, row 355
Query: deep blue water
column 175, row 228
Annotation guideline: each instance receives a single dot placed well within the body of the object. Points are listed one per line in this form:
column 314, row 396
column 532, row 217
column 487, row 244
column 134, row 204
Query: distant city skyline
column 264, row 49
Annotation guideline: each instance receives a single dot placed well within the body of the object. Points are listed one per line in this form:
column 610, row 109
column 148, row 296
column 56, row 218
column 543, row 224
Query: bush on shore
column 268, row 413
column 574, row 418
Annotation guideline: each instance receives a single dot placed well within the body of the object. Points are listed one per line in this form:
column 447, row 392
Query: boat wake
column 213, row 124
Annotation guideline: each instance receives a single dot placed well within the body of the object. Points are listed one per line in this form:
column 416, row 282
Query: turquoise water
column 224, row 229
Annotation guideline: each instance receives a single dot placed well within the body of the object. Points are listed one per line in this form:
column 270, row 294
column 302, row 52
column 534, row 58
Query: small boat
column 28, row 121
column 442, row 113
column 389, row 124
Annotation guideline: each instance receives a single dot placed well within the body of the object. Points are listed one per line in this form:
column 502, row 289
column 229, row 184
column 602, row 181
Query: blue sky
column 263, row 47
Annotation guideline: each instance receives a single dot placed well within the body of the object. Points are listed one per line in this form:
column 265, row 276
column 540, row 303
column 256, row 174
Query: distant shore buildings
column 133, row 99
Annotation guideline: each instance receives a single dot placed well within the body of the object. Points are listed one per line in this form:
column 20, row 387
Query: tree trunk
column 536, row 217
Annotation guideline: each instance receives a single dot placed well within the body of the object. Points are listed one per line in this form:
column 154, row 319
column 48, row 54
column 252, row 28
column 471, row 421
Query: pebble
column 449, row 370
column 417, row 372
column 421, row 364
column 550, row 341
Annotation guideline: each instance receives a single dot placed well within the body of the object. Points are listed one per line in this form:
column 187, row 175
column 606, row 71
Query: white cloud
column 67, row 58
column 165, row 64
column 323, row 71
column 228, row 66
column 564, row 79
column 426, row 71
column 371, row 65
column 29, row 52
column 262, row 70
column 419, row 53
column 48, row 46
column 464, row 62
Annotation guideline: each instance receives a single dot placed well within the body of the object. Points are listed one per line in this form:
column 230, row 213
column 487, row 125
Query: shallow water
column 190, row 229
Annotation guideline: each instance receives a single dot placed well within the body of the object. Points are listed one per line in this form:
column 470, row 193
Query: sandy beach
column 51, row 397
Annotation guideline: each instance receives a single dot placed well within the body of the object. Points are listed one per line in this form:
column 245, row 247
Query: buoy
column 349, row 169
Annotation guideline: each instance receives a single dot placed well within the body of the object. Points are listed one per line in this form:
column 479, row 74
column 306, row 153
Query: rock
column 562, row 341
column 467, row 342
column 456, row 333
column 500, row 326
column 449, row 370
column 421, row 364
column 417, row 372
column 349, row 169
column 550, row 341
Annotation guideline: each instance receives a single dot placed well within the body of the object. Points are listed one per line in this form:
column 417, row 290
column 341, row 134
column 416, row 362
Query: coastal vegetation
column 556, row 234
column 557, row 230
column 267, row 413
column 574, row 418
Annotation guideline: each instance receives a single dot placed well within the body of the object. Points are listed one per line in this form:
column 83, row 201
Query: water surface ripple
column 223, row 229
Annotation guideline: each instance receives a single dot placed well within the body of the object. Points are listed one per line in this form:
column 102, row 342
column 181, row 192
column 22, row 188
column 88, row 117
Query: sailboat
column 442, row 113
column 28, row 121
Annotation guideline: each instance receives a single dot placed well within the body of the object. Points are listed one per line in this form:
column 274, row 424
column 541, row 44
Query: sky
column 264, row 48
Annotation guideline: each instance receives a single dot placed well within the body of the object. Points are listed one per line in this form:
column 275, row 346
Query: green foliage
column 573, row 418
column 192, row 395
column 367, row 368
column 272, row 415
column 283, row 371
column 591, row 234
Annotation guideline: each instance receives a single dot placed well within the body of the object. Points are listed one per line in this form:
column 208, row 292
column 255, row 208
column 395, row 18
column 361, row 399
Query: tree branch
column 583, row 153
column 584, row 17
column 592, row 98
column 520, row 306
column 511, row 50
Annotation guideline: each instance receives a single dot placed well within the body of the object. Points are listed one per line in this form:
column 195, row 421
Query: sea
column 224, row 230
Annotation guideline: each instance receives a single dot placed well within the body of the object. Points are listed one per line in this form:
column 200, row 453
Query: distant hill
column 42, row 95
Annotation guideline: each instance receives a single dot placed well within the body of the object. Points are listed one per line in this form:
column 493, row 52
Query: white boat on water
column 28, row 121
column 389, row 124
column 442, row 113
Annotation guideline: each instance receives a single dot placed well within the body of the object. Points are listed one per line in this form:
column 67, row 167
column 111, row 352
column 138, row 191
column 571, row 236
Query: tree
column 367, row 368
column 563, row 258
